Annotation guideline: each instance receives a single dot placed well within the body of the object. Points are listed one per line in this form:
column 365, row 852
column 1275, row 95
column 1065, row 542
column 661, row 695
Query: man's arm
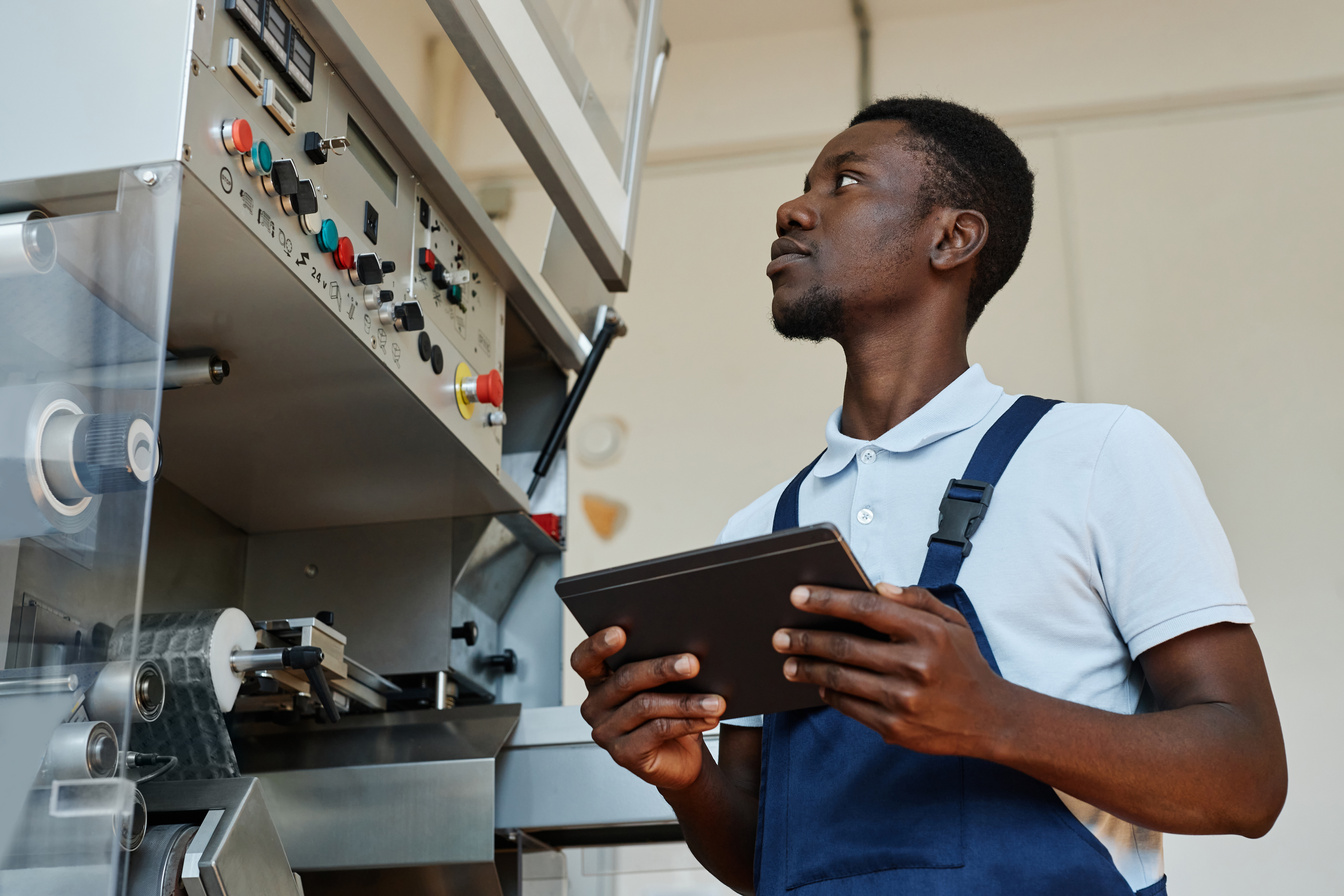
column 658, row 737
column 1210, row 760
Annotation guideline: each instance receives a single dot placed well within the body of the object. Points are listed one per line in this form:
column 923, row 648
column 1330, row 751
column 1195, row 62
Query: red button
column 344, row 256
column 490, row 388
column 237, row 136
column 427, row 260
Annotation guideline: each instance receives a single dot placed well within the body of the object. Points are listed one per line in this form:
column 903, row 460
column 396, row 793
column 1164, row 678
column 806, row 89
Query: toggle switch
column 439, row 276
column 237, row 135
column 374, row 297
column 303, row 201
column 426, row 259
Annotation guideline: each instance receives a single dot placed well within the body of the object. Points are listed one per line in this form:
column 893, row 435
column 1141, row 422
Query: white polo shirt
column 1098, row 544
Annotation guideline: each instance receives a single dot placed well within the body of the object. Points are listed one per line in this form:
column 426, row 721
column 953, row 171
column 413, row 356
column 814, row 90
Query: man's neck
column 893, row 371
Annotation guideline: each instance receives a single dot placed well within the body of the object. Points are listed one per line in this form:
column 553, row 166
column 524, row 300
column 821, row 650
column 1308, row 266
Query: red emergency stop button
column 344, row 256
column 237, row 135
column 490, row 388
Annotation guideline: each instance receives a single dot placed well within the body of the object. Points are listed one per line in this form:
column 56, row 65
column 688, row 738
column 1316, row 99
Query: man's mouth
column 783, row 252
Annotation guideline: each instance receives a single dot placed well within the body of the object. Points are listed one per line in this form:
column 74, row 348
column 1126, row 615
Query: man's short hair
column 972, row 164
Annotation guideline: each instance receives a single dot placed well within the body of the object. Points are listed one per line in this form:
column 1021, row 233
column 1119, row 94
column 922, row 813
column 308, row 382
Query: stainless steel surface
column 552, row 776
column 242, row 855
column 124, row 687
column 255, row 660
column 38, row 685
column 81, row 750
column 385, row 790
column 177, row 372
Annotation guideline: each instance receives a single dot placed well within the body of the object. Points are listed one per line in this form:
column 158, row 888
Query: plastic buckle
column 959, row 515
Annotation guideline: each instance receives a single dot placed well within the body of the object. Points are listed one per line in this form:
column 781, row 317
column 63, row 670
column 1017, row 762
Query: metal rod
column 57, row 684
column 611, row 326
column 864, row 23
column 177, row 372
column 266, row 659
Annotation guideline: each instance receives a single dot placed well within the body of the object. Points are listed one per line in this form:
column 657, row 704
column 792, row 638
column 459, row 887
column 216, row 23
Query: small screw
column 310, row 570
column 195, row 66
column 186, row 152
column 148, row 178
column 200, row 12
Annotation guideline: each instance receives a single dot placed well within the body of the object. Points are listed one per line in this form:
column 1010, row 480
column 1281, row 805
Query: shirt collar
column 963, row 403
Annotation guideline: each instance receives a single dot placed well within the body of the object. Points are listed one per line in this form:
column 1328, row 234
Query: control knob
column 406, row 317
column 282, row 180
column 375, row 297
column 366, row 270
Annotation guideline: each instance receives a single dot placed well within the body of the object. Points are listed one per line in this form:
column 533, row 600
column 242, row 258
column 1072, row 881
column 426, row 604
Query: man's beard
column 817, row 315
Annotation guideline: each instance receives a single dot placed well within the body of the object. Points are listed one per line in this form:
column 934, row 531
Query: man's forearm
column 718, row 819
column 1199, row 769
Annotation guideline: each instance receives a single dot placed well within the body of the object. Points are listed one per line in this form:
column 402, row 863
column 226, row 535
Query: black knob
column 385, row 296
column 303, row 201
column 425, row 346
column 326, row 617
column 506, row 662
column 368, row 270
column 313, row 148
column 440, row 275
column 389, row 267
column 408, row 317
column 284, row 177
column 467, row 631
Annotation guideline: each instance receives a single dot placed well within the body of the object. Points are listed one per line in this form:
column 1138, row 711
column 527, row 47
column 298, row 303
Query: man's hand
column 927, row 688
column 656, row 736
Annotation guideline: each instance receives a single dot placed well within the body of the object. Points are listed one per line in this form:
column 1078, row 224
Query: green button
column 261, row 155
column 327, row 237
column 455, row 295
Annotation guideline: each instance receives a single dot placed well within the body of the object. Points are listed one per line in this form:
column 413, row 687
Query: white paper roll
column 233, row 631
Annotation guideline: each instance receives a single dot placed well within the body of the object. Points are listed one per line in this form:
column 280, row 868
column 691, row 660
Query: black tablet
column 722, row 604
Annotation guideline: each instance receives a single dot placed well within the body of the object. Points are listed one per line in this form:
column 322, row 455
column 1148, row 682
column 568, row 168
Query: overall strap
column 966, row 499
column 786, row 511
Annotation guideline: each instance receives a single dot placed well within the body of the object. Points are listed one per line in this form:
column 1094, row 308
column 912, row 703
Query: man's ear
column 961, row 235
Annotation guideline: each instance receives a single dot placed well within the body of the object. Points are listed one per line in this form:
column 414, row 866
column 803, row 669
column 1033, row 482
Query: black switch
column 440, row 276
column 367, row 269
column 424, row 213
column 408, row 317
column 284, row 178
column 389, row 267
column 425, row 346
column 436, row 359
column 371, row 223
column 313, row 148
column 303, row 201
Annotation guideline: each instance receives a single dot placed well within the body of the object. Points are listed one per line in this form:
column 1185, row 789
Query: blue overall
column 842, row 812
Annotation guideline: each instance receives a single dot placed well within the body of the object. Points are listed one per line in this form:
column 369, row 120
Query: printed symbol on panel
column 302, row 259
column 396, row 354
column 336, row 295
column 286, row 243
column 368, row 324
column 226, row 180
column 265, row 221
column 382, row 339
column 247, row 200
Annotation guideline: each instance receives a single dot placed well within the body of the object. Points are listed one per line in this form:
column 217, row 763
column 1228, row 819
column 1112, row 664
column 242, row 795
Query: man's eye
column 845, row 180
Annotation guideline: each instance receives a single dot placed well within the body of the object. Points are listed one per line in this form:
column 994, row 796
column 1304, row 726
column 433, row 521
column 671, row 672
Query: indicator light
column 258, row 162
column 327, row 236
column 344, row 256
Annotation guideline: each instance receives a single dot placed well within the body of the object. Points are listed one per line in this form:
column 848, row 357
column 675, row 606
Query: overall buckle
column 960, row 512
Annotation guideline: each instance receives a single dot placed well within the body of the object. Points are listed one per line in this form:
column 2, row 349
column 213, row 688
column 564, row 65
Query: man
column 1043, row 706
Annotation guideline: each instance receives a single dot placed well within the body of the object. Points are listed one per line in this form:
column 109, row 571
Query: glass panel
column 594, row 44
column 83, row 312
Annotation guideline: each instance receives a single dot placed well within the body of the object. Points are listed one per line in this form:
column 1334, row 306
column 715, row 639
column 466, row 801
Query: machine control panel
column 323, row 189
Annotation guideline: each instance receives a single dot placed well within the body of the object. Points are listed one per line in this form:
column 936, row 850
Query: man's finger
column 589, row 658
column 921, row 599
column 879, row 613
column 654, row 733
column 649, row 705
column 852, row 650
column 837, row 677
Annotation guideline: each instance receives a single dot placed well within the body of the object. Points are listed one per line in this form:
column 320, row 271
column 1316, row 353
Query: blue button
column 261, row 155
column 327, row 237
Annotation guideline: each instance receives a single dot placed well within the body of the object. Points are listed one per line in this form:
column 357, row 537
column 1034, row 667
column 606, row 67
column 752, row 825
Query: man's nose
column 796, row 214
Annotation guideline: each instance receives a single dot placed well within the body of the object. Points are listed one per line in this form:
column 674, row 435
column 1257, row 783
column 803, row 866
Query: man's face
column 847, row 246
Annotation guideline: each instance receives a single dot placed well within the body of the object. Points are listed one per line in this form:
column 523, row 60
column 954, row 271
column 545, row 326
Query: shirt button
column 865, row 516
column 868, row 455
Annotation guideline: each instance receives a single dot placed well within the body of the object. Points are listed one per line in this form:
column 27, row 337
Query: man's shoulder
column 757, row 518
column 1095, row 425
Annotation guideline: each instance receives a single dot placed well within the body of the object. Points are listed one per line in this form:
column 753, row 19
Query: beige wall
column 1185, row 260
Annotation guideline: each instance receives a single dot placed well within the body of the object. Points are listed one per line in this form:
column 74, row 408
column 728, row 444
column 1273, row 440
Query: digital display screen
column 371, row 160
column 301, row 62
column 248, row 12
column 275, row 34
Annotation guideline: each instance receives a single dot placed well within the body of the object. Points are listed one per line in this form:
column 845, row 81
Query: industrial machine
column 282, row 479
